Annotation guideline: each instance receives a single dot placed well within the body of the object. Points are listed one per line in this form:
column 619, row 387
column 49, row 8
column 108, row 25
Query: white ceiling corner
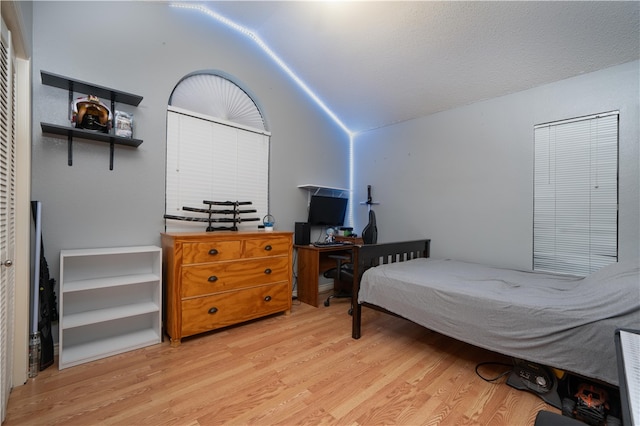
column 375, row 63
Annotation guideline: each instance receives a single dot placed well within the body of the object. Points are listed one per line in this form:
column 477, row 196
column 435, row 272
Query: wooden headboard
column 368, row 256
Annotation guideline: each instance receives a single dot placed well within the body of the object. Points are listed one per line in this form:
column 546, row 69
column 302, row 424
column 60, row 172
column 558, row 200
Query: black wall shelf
column 73, row 85
column 89, row 134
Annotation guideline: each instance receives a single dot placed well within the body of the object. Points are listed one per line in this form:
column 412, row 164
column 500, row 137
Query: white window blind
column 216, row 96
column 575, row 228
column 210, row 159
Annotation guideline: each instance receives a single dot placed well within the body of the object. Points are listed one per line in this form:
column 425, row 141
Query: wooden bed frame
column 367, row 256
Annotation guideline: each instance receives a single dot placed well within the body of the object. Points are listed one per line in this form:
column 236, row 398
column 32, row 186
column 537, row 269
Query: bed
column 558, row 321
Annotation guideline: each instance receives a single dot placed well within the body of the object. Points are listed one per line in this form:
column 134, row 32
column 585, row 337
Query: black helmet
column 90, row 113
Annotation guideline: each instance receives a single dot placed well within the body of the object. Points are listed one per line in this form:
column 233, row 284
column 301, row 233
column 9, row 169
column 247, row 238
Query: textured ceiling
column 378, row 63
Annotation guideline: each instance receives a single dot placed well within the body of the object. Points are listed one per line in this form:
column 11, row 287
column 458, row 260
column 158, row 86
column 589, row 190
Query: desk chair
column 343, row 272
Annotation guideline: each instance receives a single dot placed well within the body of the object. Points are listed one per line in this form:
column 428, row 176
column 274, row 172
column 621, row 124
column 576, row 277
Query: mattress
column 556, row 320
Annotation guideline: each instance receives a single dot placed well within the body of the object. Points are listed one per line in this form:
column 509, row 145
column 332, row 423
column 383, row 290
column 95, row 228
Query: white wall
column 146, row 48
column 464, row 177
column 461, row 177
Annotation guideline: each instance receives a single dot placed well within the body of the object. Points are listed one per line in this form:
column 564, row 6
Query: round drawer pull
column 213, row 310
column 212, row 279
column 267, row 299
column 213, row 252
column 267, row 271
column 268, row 248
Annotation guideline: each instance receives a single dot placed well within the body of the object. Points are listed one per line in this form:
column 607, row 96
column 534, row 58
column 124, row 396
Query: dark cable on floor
column 497, row 377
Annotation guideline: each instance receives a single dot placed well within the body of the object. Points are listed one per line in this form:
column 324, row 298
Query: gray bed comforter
column 555, row 320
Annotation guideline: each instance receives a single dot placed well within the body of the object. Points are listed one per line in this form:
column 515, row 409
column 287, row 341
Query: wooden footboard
column 367, row 256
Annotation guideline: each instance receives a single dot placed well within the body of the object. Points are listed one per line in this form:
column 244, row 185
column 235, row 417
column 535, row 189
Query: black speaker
column 302, row 234
column 536, row 379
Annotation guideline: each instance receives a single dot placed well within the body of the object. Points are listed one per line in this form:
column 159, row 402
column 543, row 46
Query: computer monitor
column 327, row 211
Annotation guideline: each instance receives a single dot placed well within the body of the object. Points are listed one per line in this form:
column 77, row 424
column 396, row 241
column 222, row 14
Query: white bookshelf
column 110, row 302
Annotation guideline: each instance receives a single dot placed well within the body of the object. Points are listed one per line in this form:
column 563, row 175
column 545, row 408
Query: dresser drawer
column 259, row 247
column 199, row 280
column 211, row 251
column 220, row 310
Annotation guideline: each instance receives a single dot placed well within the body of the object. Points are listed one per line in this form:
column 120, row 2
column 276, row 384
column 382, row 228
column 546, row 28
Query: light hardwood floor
column 303, row 368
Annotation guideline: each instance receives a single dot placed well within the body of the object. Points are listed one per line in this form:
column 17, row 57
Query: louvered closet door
column 7, row 217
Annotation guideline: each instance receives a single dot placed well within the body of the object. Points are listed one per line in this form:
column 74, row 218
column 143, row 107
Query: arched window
column 217, row 96
column 217, row 150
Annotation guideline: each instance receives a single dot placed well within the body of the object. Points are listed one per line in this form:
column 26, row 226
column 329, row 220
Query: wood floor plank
column 302, row 368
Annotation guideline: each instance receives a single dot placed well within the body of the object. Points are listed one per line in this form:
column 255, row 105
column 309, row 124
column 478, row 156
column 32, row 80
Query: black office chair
column 343, row 272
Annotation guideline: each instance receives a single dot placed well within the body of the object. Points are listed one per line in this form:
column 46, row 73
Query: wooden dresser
column 217, row 279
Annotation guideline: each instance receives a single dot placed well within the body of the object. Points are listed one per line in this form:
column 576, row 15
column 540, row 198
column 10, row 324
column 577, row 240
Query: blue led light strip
column 290, row 73
column 269, row 52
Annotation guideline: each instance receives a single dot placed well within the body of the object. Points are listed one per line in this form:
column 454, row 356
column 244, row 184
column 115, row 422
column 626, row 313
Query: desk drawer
column 199, row 280
column 220, row 310
column 272, row 246
column 213, row 251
